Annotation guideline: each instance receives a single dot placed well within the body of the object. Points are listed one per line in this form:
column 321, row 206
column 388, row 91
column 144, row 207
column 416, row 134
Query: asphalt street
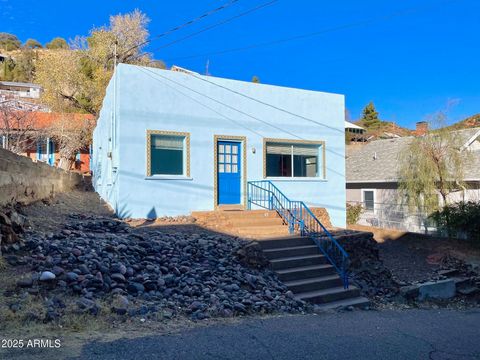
column 411, row 334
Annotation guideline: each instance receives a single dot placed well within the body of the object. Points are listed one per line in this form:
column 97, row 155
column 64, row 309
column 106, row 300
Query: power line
column 200, row 103
column 226, row 105
column 145, row 70
column 314, row 34
column 223, row 22
column 267, row 104
column 184, row 25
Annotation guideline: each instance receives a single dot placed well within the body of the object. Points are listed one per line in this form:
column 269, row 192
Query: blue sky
column 410, row 64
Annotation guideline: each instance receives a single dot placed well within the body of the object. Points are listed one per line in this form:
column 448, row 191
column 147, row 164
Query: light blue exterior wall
column 153, row 99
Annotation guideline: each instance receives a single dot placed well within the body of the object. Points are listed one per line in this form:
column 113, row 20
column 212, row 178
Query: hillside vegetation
column 74, row 75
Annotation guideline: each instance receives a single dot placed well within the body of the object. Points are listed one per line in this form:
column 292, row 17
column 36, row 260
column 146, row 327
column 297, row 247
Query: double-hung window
column 294, row 159
column 168, row 153
column 368, row 197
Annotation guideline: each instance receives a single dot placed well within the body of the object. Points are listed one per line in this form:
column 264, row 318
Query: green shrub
column 459, row 218
column 353, row 213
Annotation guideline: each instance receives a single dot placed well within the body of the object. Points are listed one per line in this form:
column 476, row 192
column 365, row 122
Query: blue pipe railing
column 300, row 219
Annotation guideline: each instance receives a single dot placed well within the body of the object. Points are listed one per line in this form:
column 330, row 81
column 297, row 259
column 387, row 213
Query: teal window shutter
column 39, row 149
column 51, row 154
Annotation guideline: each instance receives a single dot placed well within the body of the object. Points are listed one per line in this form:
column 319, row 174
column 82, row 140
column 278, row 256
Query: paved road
column 413, row 334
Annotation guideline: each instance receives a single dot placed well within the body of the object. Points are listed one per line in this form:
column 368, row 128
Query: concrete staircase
column 297, row 260
column 253, row 224
column 308, row 274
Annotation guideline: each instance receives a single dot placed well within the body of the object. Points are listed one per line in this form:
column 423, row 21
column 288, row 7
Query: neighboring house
column 172, row 142
column 40, row 147
column 20, row 89
column 355, row 133
column 372, row 180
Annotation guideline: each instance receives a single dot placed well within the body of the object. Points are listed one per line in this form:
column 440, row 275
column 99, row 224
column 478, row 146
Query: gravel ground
column 415, row 257
column 77, row 258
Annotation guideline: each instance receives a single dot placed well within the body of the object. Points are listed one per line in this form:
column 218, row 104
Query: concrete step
column 249, row 214
column 262, row 230
column 261, row 221
column 312, row 284
column 297, row 261
column 329, row 295
column 291, row 251
column 357, row 302
column 286, row 241
column 305, row 272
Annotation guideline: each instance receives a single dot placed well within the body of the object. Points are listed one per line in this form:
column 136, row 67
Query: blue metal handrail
column 299, row 218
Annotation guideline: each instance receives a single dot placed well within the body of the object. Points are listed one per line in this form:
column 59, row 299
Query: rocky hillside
column 470, row 122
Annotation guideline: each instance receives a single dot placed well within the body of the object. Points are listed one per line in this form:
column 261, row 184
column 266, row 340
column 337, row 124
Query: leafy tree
column 9, row 42
column 32, row 44
column 6, row 69
column 57, row 43
column 256, row 79
column 431, row 165
column 370, row 116
column 76, row 80
column 159, row 64
column 24, row 70
column 21, row 69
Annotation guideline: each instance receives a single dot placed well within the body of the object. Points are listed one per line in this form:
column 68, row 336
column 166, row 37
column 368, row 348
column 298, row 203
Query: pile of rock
column 366, row 268
column 197, row 273
column 12, row 225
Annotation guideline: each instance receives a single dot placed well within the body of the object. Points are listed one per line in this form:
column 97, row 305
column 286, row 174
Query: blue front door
column 229, row 172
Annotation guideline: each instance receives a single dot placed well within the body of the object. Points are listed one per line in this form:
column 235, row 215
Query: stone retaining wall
column 24, row 181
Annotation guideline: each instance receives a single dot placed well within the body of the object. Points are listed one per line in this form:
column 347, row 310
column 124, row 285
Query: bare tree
column 16, row 127
column 71, row 133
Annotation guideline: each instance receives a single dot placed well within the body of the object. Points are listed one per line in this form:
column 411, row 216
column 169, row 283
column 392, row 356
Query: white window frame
column 321, row 160
column 374, row 200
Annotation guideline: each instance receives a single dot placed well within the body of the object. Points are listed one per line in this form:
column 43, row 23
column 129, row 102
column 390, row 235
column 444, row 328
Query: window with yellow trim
column 288, row 159
column 167, row 154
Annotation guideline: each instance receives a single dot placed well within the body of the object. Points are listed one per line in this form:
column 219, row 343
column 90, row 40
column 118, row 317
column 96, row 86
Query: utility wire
column 226, row 105
column 146, row 71
column 199, row 102
column 223, row 22
column 267, row 104
column 316, row 33
column 156, row 77
column 184, row 25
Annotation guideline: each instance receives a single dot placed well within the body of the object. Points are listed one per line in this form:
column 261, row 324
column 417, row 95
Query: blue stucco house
column 172, row 142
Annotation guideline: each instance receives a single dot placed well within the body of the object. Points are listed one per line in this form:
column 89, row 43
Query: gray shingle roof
column 377, row 161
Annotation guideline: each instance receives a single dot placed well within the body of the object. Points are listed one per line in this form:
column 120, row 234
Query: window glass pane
column 235, row 149
column 368, row 200
column 227, row 158
column 167, row 142
column 279, row 148
column 227, row 149
column 305, row 159
column 221, row 158
column 234, row 168
column 234, row 159
column 227, row 168
column 279, row 165
column 221, row 148
column 166, row 155
column 221, row 168
column 307, row 150
column 305, row 166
